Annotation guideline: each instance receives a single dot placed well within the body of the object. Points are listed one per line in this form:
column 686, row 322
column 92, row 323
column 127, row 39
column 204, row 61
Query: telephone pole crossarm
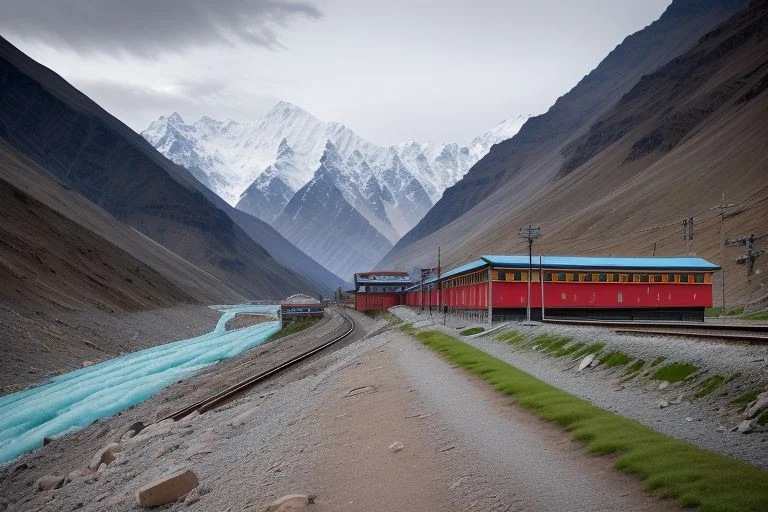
column 530, row 234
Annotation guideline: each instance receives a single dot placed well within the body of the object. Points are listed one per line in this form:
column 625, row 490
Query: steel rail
column 213, row 401
column 758, row 327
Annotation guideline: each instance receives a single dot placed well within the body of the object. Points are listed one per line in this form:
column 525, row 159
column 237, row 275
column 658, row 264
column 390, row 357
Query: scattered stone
column 688, row 419
column 586, row 361
column 679, row 398
column 166, row 448
column 757, row 406
column 192, row 497
column 87, row 363
column 745, row 427
column 102, row 468
column 48, row 440
column 167, row 489
column 595, row 361
column 291, row 503
column 132, row 428
column 721, row 429
column 154, row 430
column 49, row 482
column 80, row 475
column 197, row 449
column 663, row 385
column 104, row 456
column 396, row 446
column 734, row 429
column 663, row 404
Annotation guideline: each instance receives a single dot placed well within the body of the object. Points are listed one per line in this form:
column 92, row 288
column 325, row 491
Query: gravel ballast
column 704, row 421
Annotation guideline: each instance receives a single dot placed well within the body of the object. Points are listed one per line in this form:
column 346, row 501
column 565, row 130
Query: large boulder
column 49, row 482
column 167, row 489
column 104, row 456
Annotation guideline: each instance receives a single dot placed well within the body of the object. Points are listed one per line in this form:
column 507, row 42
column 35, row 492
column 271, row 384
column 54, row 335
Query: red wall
column 376, row 301
column 603, row 295
column 571, row 295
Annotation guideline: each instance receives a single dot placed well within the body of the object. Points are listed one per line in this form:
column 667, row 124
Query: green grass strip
column 692, row 476
column 674, row 372
column 747, row 397
column 616, row 359
column 292, row 328
column 760, row 315
column 471, row 331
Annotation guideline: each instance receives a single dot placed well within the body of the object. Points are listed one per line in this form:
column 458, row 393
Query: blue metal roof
column 467, row 267
column 673, row 263
column 514, row 261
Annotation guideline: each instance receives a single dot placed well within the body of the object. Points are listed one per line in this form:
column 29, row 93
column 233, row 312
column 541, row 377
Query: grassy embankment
column 678, row 470
column 293, row 327
column 471, row 331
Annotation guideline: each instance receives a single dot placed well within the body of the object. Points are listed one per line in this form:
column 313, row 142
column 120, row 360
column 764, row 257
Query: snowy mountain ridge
column 342, row 200
column 231, row 155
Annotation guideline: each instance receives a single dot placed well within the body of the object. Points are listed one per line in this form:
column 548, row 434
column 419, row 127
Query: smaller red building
column 380, row 290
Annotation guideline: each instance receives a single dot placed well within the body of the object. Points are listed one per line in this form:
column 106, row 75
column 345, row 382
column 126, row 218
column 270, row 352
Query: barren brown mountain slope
column 686, row 133
column 80, row 285
column 532, row 157
column 59, row 250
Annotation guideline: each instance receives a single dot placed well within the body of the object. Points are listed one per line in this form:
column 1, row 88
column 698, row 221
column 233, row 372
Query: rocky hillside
column 687, row 131
column 66, row 134
column 531, row 159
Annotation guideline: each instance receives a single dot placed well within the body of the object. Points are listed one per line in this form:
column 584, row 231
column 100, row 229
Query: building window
column 561, row 276
column 683, row 278
column 616, row 278
column 657, row 278
column 588, row 277
column 644, row 278
column 547, row 276
column 502, row 275
column 602, row 277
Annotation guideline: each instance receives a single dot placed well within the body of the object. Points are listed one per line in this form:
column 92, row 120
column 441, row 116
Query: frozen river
column 76, row 399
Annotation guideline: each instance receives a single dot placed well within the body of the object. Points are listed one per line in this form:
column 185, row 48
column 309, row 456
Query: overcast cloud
column 391, row 70
column 150, row 28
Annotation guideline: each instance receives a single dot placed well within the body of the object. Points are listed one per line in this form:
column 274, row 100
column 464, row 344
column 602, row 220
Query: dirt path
column 326, row 428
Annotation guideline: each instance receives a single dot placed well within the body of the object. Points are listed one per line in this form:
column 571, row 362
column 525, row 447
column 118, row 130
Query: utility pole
column 747, row 259
column 530, row 233
column 722, row 207
column 688, row 233
column 439, row 284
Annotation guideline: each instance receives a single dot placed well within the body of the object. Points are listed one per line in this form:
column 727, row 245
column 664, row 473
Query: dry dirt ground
column 326, row 428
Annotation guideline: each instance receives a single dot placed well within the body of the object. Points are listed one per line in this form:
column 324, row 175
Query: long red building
column 571, row 287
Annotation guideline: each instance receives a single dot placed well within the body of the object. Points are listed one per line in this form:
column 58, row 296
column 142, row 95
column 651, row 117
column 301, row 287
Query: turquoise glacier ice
column 76, row 399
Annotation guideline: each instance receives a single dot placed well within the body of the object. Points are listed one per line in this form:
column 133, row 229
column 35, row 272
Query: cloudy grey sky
column 439, row 70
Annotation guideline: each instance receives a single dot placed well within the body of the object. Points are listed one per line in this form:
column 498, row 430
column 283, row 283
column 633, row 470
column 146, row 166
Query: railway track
column 743, row 333
column 228, row 394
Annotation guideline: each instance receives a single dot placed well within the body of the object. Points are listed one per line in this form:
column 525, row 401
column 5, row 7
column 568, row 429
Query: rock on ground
column 167, row 489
